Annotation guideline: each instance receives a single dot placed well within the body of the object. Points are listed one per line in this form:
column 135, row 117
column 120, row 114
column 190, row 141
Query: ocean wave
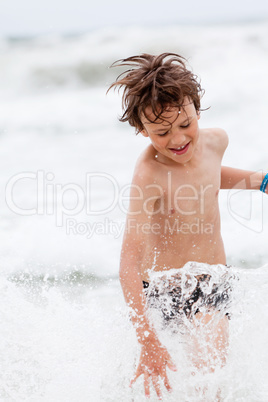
column 31, row 64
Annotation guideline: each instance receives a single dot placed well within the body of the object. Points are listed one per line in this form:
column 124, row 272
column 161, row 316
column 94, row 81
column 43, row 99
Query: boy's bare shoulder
column 216, row 138
column 147, row 170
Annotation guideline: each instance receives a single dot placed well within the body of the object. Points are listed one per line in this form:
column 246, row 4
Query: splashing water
column 238, row 375
column 224, row 299
column 73, row 342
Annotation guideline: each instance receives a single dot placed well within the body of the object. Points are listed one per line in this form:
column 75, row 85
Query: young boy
column 173, row 213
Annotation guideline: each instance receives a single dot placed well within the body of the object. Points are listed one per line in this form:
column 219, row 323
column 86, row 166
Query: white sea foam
column 68, row 341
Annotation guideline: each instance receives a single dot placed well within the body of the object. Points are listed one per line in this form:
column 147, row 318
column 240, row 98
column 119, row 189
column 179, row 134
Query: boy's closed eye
column 162, row 134
column 186, row 125
column 166, row 132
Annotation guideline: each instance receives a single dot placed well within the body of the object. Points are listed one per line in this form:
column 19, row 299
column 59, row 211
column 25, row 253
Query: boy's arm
column 232, row 178
column 154, row 357
column 131, row 282
column 141, row 208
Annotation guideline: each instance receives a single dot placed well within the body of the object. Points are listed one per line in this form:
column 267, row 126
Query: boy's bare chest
column 189, row 194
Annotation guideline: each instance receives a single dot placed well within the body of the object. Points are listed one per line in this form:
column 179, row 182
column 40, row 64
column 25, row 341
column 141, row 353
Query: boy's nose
column 178, row 138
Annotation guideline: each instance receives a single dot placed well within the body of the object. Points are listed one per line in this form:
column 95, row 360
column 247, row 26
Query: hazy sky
column 23, row 17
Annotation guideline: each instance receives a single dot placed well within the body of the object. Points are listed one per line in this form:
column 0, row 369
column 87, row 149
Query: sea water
column 65, row 167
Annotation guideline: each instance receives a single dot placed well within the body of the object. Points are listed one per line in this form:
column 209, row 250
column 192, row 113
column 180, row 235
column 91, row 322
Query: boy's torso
column 185, row 225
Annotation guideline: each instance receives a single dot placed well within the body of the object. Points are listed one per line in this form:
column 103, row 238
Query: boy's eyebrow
column 163, row 128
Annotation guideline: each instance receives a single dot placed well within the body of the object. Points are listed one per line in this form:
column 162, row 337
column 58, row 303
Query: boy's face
column 175, row 138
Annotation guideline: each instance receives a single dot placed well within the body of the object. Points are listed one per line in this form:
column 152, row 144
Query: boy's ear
column 144, row 133
column 198, row 115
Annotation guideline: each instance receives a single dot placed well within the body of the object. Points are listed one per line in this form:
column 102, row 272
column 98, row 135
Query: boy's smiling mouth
column 180, row 150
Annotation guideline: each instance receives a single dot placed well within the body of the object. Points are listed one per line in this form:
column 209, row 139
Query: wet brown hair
column 156, row 81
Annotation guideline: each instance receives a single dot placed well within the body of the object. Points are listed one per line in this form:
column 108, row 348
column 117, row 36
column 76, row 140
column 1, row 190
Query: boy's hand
column 153, row 361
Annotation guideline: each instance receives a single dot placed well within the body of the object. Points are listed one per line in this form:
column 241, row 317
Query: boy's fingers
column 166, row 382
column 171, row 365
column 137, row 374
column 165, row 379
column 132, row 382
column 156, row 385
column 147, row 384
